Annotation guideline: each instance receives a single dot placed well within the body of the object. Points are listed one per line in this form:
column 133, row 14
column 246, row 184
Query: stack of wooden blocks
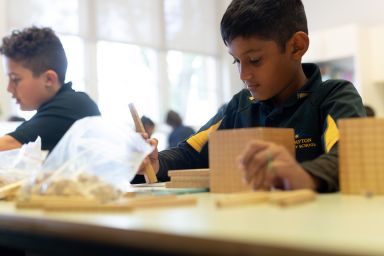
column 195, row 178
column 361, row 154
column 226, row 145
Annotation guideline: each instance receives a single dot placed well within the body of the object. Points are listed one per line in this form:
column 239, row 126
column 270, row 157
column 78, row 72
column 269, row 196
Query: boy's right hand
column 152, row 158
column 266, row 165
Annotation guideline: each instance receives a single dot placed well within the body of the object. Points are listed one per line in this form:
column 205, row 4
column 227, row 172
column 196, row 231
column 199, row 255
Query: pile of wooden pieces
column 361, row 151
column 281, row 198
column 194, row 178
column 226, row 145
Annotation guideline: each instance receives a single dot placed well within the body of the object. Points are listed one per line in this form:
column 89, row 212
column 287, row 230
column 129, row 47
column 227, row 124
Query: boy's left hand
column 267, row 165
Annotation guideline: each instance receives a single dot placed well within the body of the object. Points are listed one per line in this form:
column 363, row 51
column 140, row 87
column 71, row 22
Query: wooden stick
column 193, row 179
column 187, row 184
column 144, row 202
column 240, row 199
column 38, row 201
column 10, row 189
column 167, row 202
column 189, row 172
column 86, row 207
column 149, row 173
column 293, row 197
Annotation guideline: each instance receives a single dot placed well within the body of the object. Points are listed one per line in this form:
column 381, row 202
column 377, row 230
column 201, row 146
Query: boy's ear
column 299, row 44
column 50, row 78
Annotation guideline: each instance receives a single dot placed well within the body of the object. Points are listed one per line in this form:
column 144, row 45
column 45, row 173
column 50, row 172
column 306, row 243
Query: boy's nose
column 244, row 72
column 10, row 88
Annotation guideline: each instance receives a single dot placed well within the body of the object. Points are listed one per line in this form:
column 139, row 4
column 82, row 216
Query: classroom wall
column 351, row 28
column 340, row 29
column 361, row 34
column 4, row 95
column 325, row 14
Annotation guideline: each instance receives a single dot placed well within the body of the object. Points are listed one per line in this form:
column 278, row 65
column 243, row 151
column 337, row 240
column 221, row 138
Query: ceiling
column 323, row 14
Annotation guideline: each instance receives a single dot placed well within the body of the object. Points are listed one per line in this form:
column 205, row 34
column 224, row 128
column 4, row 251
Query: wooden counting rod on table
column 10, row 189
column 149, row 173
column 293, row 197
column 239, row 199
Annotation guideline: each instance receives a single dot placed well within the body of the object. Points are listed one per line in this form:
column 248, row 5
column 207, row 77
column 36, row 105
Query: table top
column 333, row 224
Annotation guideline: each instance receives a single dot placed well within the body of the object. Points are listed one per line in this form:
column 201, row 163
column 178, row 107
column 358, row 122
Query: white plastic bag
column 21, row 163
column 95, row 157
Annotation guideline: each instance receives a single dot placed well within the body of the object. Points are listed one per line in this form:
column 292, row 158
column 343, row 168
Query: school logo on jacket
column 302, row 142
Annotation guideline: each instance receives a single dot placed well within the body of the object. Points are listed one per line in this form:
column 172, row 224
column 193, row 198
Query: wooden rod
column 149, row 173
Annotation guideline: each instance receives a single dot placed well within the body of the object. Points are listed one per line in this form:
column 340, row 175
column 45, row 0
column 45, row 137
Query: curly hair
column 37, row 49
column 275, row 20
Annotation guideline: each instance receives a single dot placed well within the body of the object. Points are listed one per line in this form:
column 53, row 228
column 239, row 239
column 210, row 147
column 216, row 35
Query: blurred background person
column 179, row 131
column 14, row 118
column 369, row 110
column 149, row 125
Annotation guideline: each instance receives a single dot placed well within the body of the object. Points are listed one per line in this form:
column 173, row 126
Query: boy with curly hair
column 36, row 64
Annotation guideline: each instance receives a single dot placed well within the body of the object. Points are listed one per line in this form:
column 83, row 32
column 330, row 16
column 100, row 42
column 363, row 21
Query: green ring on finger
column 269, row 163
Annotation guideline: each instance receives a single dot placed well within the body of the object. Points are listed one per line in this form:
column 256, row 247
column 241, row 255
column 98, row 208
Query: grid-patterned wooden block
column 189, row 172
column 226, row 145
column 191, row 178
column 361, row 156
column 188, row 184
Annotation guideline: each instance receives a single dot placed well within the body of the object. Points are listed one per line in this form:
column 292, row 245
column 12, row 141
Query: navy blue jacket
column 313, row 112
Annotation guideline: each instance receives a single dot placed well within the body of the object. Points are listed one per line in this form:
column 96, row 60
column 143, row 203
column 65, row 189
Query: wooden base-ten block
column 226, row 145
column 149, row 173
column 189, row 173
column 240, row 199
column 281, row 198
column 294, row 197
column 49, row 203
column 188, row 184
column 361, row 156
column 191, row 178
column 10, row 190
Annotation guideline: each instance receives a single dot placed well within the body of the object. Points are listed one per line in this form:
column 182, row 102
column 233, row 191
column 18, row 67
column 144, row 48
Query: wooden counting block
column 10, row 190
column 289, row 198
column 165, row 202
column 240, row 199
column 149, row 174
column 226, row 145
column 39, row 201
column 189, row 173
column 361, row 150
column 188, row 184
column 193, row 178
column 81, row 204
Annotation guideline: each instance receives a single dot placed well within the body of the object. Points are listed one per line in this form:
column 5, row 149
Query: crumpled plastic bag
column 19, row 164
column 95, row 158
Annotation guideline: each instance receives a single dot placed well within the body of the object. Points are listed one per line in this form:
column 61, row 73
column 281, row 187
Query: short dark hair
column 276, row 20
column 369, row 111
column 37, row 49
column 147, row 121
column 173, row 119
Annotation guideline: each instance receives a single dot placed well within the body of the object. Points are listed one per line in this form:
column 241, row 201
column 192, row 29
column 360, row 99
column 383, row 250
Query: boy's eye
column 15, row 81
column 235, row 61
column 255, row 60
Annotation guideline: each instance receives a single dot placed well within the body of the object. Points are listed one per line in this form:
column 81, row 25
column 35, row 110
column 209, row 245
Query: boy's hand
column 151, row 158
column 266, row 165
